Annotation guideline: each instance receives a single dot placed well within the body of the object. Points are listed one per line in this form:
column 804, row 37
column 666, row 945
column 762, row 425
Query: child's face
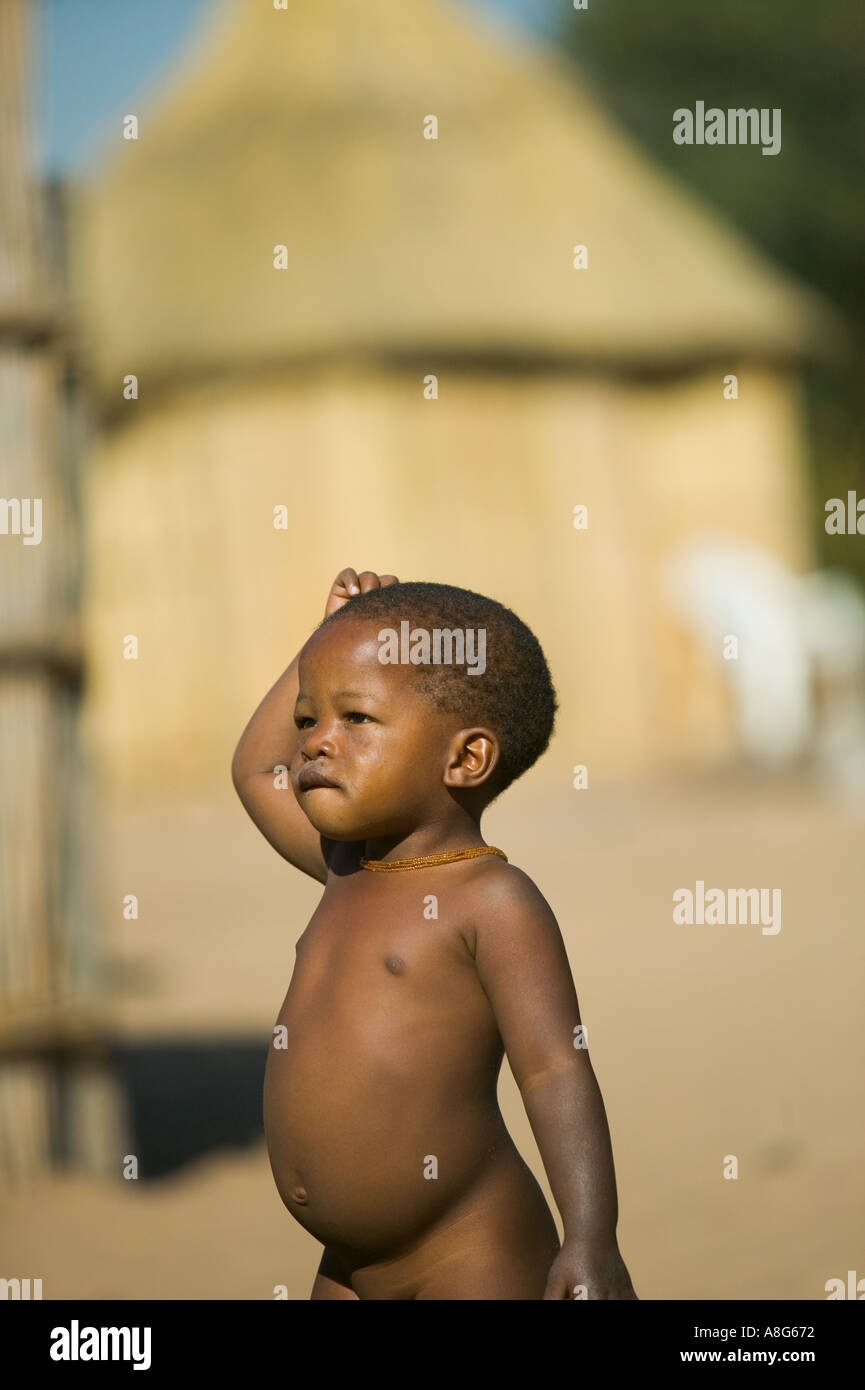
column 366, row 727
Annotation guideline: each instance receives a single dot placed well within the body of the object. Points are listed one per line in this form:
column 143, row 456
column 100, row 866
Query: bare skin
column 382, row 1123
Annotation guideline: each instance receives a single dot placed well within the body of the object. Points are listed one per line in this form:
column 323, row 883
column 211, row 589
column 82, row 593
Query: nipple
column 395, row 965
column 298, row 1194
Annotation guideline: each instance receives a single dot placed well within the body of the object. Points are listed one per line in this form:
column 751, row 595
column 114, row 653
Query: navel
column 395, row 965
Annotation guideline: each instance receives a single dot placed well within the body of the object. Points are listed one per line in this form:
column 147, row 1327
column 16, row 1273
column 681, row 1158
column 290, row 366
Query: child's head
column 467, row 724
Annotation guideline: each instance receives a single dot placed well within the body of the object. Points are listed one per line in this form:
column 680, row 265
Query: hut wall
column 476, row 488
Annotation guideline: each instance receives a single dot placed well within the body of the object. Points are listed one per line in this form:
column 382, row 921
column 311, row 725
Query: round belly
column 370, row 1145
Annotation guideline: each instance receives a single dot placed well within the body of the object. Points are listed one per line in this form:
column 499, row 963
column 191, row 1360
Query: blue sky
column 95, row 55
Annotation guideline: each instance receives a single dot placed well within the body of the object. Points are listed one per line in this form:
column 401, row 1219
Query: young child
column 429, row 955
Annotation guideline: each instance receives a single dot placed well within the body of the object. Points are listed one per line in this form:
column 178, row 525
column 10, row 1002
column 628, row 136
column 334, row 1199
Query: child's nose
column 320, row 739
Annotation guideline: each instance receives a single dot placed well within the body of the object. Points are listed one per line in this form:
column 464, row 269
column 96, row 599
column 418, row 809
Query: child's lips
column 310, row 777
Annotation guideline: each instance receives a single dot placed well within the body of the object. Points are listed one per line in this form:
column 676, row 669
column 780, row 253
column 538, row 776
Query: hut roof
column 304, row 127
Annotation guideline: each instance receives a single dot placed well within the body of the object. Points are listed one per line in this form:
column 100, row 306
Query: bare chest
column 371, row 945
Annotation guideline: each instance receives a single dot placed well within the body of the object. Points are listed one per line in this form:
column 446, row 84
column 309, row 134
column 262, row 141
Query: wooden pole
column 50, row 1020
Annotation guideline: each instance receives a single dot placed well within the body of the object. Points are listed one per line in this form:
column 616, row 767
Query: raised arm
column 270, row 741
column 523, row 967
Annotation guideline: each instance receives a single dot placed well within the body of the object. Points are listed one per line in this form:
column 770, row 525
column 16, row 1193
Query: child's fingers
column 349, row 583
column 344, row 587
column 556, row 1287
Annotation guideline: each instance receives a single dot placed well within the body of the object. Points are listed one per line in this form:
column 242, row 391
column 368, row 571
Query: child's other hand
column 348, row 584
column 600, row 1269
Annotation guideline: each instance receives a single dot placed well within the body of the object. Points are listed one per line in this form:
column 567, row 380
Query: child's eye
column 303, row 719
column 357, row 714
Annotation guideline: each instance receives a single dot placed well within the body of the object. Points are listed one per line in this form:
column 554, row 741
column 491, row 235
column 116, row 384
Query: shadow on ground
column 185, row 1100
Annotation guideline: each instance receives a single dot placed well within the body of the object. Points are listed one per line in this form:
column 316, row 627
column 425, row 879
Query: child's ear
column 473, row 755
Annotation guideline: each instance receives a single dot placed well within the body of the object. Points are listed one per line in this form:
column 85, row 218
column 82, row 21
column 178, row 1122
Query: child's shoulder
column 499, row 877
column 497, row 890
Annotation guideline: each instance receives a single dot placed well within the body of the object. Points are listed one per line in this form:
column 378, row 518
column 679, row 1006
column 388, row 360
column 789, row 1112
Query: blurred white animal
column 799, row 680
column 833, row 633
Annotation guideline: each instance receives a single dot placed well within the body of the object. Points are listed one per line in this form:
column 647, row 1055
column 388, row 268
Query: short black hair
column 514, row 696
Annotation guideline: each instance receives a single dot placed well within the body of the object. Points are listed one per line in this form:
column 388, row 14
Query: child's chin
column 334, row 827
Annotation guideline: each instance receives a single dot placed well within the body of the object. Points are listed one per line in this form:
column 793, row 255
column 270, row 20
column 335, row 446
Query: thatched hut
column 414, row 249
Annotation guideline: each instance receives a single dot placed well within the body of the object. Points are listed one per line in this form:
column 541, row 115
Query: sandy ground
column 708, row 1041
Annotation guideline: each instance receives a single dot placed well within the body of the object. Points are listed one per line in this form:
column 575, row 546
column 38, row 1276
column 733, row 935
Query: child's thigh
column 504, row 1252
column 492, row 1277
column 497, row 1264
column 331, row 1281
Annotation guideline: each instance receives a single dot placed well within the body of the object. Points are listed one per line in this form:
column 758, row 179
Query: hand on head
column 349, row 583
